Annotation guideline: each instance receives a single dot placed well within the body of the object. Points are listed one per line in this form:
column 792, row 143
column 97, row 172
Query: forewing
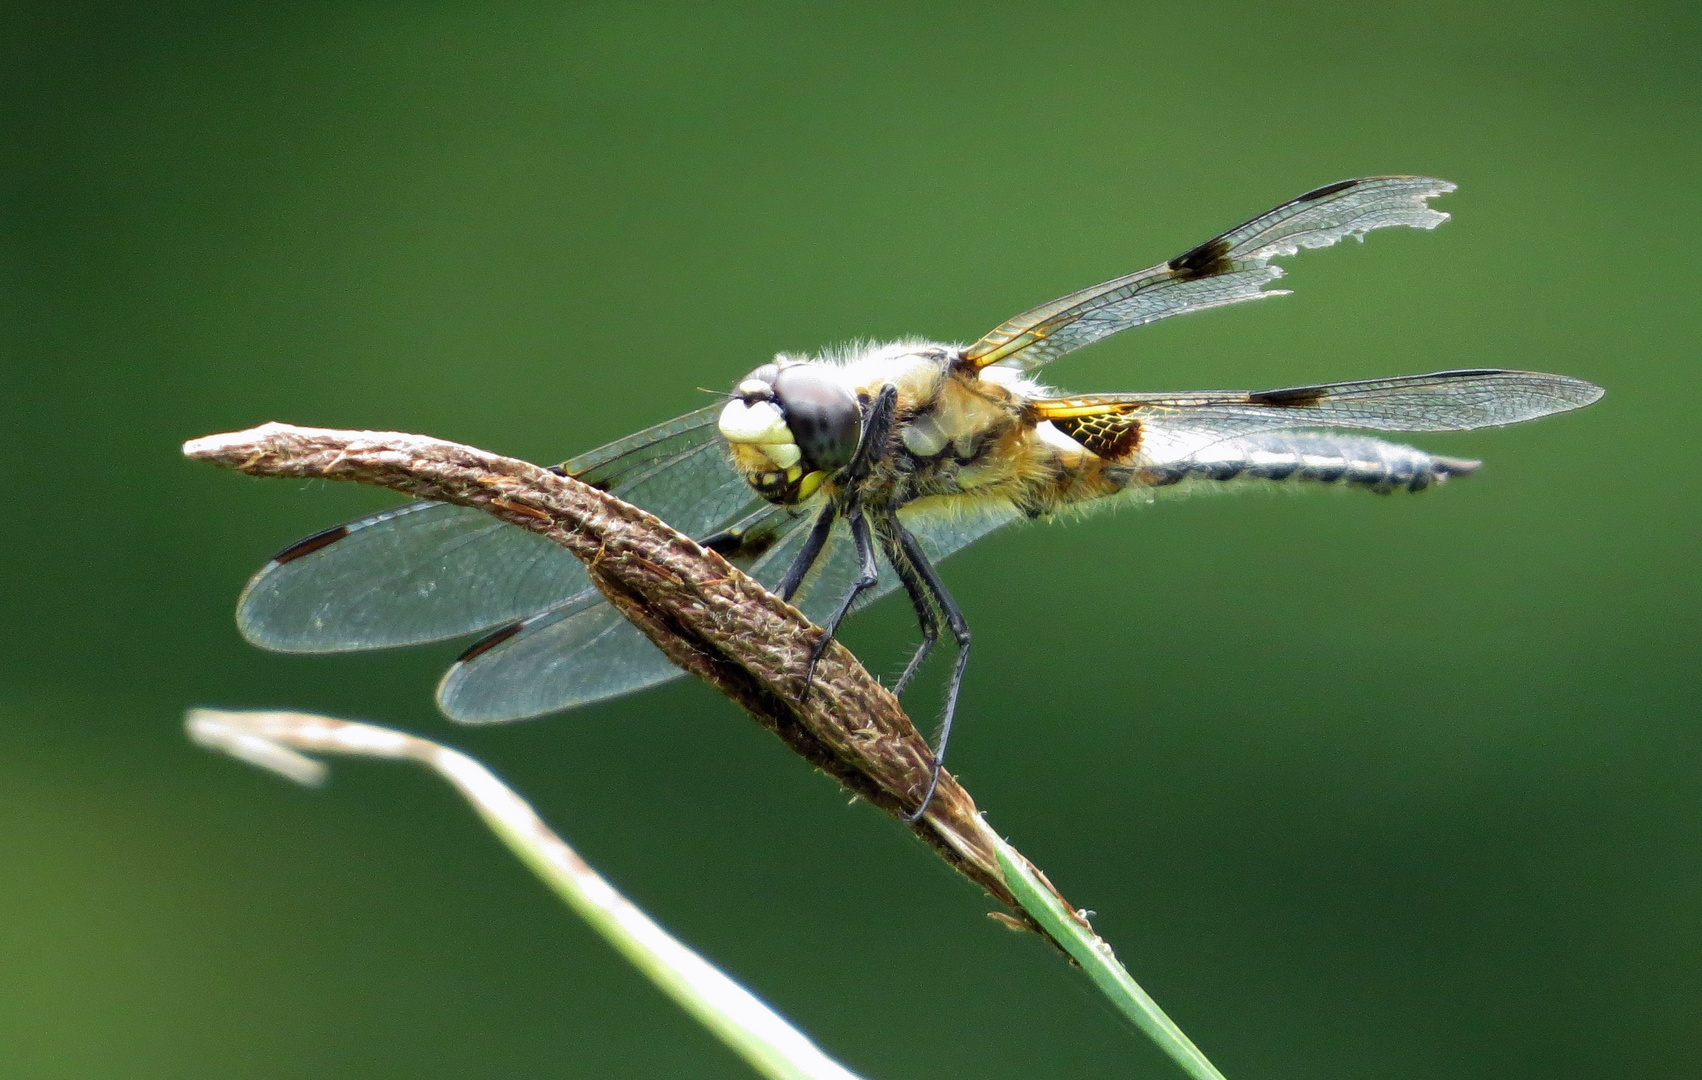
column 586, row 651
column 419, row 572
column 428, row 571
column 1224, row 270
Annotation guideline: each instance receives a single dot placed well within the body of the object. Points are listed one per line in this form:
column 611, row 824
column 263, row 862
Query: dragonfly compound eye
column 822, row 413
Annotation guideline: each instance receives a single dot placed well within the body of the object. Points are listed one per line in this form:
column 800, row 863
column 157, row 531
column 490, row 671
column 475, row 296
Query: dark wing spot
column 1468, row 373
column 1204, row 261
column 489, row 642
column 1294, row 397
column 1113, row 436
column 559, row 470
column 1327, row 189
column 311, row 544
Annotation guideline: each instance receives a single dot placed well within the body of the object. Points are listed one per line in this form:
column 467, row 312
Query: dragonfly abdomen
column 1352, row 460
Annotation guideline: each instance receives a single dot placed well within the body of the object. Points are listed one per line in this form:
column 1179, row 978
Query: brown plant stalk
column 708, row 616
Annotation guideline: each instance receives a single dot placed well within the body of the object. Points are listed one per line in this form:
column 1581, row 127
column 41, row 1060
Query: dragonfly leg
column 917, row 558
column 919, row 599
column 877, row 433
column 868, row 573
column 810, row 553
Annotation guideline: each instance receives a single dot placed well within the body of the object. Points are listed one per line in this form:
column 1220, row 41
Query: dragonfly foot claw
column 911, row 817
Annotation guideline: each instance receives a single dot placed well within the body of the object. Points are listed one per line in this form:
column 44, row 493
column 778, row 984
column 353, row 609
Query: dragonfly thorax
column 790, row 426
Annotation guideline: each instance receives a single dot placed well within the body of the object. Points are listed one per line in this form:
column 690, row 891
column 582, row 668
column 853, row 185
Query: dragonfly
column 837, row 477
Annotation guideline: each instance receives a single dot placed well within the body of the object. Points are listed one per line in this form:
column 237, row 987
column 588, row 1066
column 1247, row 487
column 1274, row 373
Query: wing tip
column 1434, row 185
column 252, row 628
column 248, row 622
column 448, row 700
column 1384, row 202
column 448, row 696
column 1413, row 197
column 450, row 704
column 1425, row 215
column 1588, row 392
column 1567, row 392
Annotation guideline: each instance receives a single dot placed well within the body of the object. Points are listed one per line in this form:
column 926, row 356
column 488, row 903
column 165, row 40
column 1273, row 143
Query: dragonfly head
column 790, row 426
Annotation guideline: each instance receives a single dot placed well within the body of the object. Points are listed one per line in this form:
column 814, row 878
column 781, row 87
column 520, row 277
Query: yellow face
column 789, row 484
column 790, row 425
column 765, row 450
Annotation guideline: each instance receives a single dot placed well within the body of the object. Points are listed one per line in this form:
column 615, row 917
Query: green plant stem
column 275, row 741
column 1096, row 958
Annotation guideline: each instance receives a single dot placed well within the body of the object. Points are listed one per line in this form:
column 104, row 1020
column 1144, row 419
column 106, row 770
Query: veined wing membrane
column 1225, row 270
column 578, row 652
column 586, row 651
column 428, row 571
column 677, row 470
column 1441, row 401
column 419, row 572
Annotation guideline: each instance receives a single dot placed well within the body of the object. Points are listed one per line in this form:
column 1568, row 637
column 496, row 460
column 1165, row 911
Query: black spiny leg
column 919, row 599
column 868, row 573
column 959, row 630
column 810, row 553
column 871, row 444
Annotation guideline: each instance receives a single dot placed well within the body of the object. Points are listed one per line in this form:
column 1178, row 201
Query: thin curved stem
column 277, row 741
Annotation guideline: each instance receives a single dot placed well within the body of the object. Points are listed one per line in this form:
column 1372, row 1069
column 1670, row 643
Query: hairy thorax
column 965, row 432
column 956, row 431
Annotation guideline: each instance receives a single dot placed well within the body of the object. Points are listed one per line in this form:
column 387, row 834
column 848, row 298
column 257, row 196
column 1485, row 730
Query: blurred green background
column 1360, row 787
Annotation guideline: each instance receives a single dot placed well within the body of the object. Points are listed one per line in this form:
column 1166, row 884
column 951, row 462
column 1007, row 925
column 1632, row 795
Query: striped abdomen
column 1354, row 460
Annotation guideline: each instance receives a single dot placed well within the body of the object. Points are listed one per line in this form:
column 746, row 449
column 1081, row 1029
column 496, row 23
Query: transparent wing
column 579, row 652
column 585, row 651
column 1442, row 401
column 428, row 571
column 419, row 572
column 1225, row 270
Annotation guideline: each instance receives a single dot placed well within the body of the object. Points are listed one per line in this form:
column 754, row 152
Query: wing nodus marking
column 309, row 545
column 1111, row 435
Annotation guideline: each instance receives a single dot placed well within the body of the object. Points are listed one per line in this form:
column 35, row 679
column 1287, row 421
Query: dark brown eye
column 823, row 415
